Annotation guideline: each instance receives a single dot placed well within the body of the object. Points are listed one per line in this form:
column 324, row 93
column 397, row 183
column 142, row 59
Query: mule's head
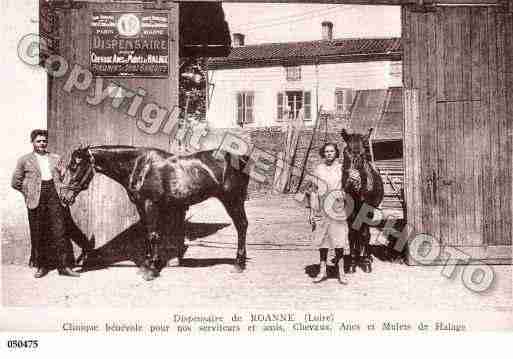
column 79, row 173
column 355, row 154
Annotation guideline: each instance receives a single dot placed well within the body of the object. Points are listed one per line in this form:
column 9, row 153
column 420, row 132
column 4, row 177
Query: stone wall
column 272, row 141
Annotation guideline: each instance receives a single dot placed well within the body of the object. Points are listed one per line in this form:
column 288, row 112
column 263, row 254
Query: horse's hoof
column 237, row 268
column 366, row 267
column 148, row 275
column 156, row 271
column 342, row 280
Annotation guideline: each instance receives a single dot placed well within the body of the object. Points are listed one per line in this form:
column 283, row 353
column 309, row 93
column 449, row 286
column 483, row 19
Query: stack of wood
column 287, row 157
column 392, row 173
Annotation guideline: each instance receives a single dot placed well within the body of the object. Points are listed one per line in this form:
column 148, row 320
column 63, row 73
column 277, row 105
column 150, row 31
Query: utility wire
column 290, row 19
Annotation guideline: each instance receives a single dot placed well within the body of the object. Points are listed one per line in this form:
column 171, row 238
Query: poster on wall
column 130, row 44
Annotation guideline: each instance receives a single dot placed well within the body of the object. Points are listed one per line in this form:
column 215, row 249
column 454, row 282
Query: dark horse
column 367, row 190
column 162, row 186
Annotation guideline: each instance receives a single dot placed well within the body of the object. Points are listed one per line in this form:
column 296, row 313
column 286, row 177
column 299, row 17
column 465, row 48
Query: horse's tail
column 239, row 165
column 238, row 162
column 244, row 162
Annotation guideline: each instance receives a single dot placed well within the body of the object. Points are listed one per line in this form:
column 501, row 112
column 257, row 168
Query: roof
column 348, row 50
column 390, row 125
column 381, row 109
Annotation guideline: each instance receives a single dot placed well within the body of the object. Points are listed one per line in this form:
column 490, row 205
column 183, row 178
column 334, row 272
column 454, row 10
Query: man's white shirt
column 44, row 166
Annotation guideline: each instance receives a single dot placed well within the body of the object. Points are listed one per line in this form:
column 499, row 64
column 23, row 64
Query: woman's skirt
column 331, row 233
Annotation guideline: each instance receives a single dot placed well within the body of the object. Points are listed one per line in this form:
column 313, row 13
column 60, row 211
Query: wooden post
column 411, row 153
column 309, row 148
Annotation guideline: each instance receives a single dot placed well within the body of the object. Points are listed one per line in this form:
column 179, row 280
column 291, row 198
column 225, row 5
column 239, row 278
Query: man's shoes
column 68, row 272
column 41, row 272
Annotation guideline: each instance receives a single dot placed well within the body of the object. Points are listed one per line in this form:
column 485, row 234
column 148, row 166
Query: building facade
column 264, row 85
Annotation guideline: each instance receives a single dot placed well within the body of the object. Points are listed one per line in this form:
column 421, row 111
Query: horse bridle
column 86, row 178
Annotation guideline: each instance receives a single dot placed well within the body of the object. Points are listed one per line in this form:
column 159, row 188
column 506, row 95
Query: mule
column 366, row 188
column 162, row 186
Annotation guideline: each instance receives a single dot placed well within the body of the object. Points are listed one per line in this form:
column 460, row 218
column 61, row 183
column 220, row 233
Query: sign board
column 130, row 44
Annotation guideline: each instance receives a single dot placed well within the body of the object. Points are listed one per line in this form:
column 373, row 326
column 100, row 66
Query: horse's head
column 79, row 173
column 354, row 156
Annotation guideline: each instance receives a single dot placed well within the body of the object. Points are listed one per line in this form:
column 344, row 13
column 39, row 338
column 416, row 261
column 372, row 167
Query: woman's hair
column 36, row 133
column 321, row 150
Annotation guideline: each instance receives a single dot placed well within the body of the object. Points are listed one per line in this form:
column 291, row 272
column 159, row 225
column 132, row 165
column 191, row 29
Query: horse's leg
column 235, row 209
column 149, row 213
column 173, row 229
column 180, row 234
column 76, row 235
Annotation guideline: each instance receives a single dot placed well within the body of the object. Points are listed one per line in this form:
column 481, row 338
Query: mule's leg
column 353, row 248
column 365, row 255
column 235, row 209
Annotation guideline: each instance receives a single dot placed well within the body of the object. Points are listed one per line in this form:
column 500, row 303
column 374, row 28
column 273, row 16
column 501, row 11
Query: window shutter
column 307, row 98
column 280, row 106
column 348, row 99
column 339, row 101
column 240, row 109
column 248, row 118
column 344, row 100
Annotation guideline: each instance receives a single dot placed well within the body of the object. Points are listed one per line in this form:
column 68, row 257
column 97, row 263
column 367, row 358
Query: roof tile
column 308, row 49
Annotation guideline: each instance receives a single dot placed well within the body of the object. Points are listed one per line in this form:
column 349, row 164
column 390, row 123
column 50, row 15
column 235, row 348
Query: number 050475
column 22, row 344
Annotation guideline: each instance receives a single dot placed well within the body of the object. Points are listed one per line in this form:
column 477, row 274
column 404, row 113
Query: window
column 396, row 70
column 290, row 103
column 245, row 101
column 343, row 100
column 293, row 73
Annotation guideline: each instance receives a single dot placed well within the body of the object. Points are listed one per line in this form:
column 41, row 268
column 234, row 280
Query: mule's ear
column 345, row 135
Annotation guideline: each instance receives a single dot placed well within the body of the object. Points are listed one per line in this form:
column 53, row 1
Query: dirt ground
column 281, row 263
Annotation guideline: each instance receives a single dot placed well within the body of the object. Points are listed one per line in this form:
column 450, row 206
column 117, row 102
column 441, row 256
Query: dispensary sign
column 130, row 44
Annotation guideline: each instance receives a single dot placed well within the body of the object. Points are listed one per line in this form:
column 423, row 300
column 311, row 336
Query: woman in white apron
column 330, row 229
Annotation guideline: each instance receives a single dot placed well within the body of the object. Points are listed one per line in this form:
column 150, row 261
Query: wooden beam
column 344, row 2
column 370, row 2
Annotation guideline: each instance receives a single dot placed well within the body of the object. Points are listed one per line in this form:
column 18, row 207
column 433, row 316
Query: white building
column 262, row 85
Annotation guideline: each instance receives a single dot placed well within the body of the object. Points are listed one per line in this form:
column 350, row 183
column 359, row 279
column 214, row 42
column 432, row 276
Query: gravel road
column 278, row 276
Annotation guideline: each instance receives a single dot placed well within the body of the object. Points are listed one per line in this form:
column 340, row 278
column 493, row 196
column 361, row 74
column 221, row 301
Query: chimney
column 327, row 30
column 238, row 39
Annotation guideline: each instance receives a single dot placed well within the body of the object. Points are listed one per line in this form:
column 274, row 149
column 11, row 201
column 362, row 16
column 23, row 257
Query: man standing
column 38, row 177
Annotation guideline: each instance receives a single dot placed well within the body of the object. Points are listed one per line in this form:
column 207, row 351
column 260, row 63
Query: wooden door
column 458, row 127
column 104, row 209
